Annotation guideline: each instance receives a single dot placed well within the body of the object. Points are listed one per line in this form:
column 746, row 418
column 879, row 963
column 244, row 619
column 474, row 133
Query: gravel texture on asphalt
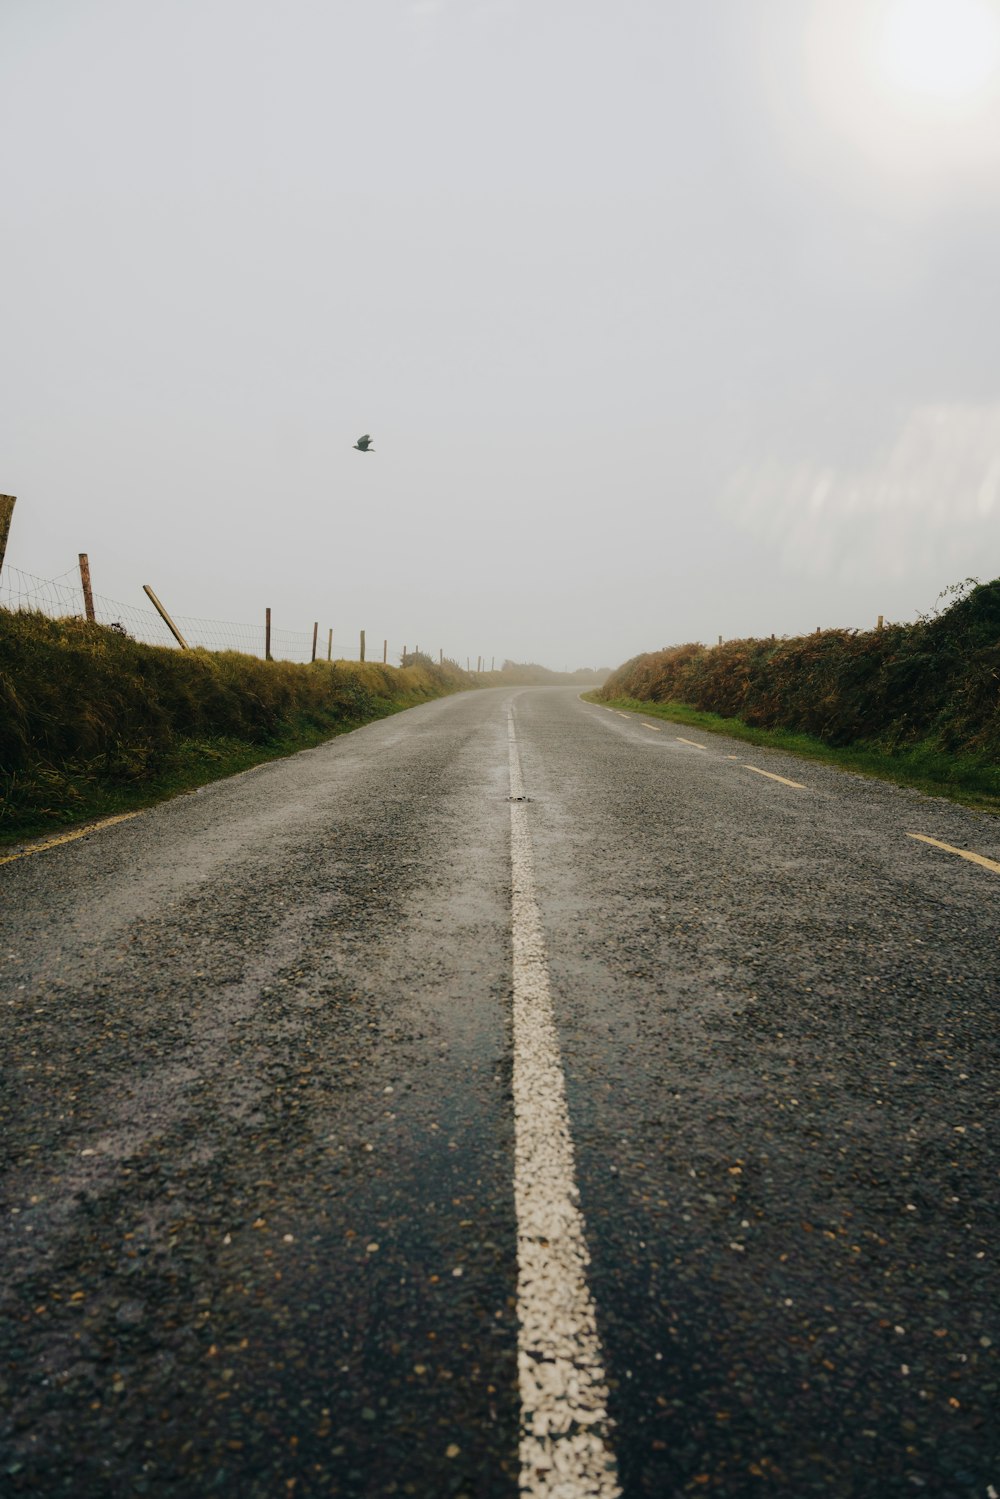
column 258, row 1232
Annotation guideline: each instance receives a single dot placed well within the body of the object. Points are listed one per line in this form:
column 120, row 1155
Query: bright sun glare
column 946, row 51
column 912, row 85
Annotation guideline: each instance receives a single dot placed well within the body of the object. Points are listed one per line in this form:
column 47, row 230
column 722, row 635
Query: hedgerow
column 935, row 682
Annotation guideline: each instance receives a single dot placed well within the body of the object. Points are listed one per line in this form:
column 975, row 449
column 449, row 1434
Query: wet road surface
column 262, row 1190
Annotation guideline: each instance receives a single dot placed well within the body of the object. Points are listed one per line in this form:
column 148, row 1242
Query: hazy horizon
column 669, row 321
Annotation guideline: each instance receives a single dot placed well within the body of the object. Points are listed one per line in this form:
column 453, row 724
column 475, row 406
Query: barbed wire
column 25, row 592
column 61, row 597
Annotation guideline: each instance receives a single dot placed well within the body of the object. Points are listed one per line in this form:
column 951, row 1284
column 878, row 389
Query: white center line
column 694, row 742
column 564, row 1446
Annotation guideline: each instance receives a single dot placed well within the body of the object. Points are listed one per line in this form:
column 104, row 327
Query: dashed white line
column 565, row 1428
column 693, row 742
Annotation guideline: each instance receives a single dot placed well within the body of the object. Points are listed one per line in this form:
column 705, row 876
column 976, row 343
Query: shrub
column 935, row 682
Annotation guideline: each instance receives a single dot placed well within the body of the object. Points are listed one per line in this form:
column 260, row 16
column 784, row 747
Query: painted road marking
column 772, row 777
column 94, row 827
column 654, row 726
column 963, row 853
column 622, row 715
column 693, row 742
column 565, row 1429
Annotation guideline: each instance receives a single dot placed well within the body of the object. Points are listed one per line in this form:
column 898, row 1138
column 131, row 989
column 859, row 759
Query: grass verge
column 93, row 723
column 971, row 781
column 79, row 793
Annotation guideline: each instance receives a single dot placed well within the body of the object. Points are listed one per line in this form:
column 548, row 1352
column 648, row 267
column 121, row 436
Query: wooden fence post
column 880, row 621
column 385, row 652
column 166, row 617
column 267, row 635
column 88, row 596
column 315, row 638
column 441, row 656
column 493, row 663
column 329, row 646
column 7, row 503
column 362, row 645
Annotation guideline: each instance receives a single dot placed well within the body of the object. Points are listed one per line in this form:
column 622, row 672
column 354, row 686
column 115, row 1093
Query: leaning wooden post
column 166, row 618
column 329, row 646
column 267, row 634
column 362, row 645
column 7, row 503
column 88, row 596
column 315, row 638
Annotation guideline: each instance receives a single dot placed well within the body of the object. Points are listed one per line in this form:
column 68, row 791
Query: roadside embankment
column 93, row 722
column 915, row 703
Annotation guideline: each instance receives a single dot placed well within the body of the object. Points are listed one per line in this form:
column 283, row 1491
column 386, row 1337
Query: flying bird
column 362, row 444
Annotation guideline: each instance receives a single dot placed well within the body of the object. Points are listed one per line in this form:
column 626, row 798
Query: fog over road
column 289, row 1062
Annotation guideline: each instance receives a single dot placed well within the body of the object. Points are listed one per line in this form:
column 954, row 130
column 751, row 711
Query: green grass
column 965, row 779
column 43, row 800
column 93, row 723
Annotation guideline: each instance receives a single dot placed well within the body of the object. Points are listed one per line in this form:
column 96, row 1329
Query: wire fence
column 62, row 597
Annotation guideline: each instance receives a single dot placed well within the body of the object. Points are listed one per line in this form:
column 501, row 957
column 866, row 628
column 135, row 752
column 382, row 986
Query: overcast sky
column 669, row 318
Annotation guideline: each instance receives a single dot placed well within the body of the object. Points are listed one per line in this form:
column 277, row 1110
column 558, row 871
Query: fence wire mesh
column 62, row 597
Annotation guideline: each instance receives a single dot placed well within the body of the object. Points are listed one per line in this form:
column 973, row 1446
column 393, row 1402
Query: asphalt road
column 280, row 1127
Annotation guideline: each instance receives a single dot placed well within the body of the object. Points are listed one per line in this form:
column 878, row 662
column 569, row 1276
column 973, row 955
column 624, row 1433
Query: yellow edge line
column 693, row 742
column 963, row 853
column 654, row 726
column 94, row 827
column 771, row 777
